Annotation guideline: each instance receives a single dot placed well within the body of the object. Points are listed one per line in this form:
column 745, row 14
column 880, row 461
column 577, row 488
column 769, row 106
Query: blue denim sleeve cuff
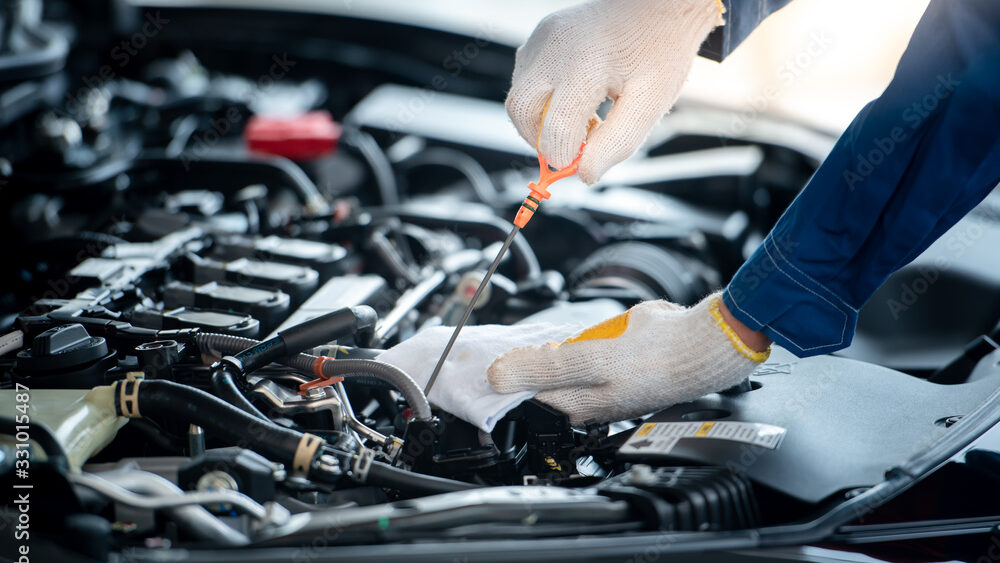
column 773, row 295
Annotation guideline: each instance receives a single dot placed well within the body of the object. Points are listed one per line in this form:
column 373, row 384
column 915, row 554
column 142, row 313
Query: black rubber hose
column 309, row 334
column 380, row 166
column 225, row 388
column 54, row 451
column 161, row 399
column 219, row 345
column 361, row 370
column 461, row 162
column 152, row 432
column 255, row 354
column 326, row 328
column 369, row 381
column 384, row 475
column 524, row 257
column 258, row 355
column 239, row 171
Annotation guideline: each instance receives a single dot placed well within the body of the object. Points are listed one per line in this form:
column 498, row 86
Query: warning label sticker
column 661, row 437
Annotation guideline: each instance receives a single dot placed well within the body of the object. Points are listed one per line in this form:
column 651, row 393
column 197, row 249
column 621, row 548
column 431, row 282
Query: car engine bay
column 203, row 262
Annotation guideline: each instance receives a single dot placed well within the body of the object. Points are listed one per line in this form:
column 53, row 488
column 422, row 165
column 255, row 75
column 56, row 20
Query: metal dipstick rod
column 539, row 193
column 470, row 307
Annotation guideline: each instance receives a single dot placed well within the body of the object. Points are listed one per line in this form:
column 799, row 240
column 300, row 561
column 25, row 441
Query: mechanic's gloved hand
column 637, row 52
column 654, row 355
column 461, row 387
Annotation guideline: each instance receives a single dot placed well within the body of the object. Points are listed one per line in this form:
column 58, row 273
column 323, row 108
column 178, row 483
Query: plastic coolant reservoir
column 84, row 421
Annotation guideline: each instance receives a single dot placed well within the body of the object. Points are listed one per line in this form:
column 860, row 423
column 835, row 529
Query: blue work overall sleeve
column 911, row 164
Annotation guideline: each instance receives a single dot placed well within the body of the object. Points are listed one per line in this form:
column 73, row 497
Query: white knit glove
column 637, row 52
column 654, row 355
column 461, row 387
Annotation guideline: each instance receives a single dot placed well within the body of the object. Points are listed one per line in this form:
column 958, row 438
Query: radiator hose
column 161, row 399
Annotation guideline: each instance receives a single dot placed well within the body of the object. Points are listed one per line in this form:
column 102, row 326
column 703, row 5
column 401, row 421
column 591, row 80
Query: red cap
column 303, row 137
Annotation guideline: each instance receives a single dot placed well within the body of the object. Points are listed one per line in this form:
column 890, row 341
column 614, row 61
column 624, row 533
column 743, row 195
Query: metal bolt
column 275, row 515
column 61, row 133
column 278, row 472
column 217, row 481
column 196, row 440
column 315, row 393
column 329, row 464
column 641, row 474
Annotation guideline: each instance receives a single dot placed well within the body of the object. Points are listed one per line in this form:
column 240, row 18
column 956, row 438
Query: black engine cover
column 845, row 421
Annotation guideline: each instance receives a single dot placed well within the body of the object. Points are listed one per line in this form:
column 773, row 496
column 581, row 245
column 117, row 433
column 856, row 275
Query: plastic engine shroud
column 845, row 423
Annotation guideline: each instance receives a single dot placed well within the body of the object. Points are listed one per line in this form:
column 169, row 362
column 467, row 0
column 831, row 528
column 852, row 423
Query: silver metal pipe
column 355, row 424
column 410, row 299
column 194, row 520
column 127, row 497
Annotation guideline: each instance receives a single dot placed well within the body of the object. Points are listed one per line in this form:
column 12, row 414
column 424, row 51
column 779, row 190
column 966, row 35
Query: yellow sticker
column 705, row 429
column 659, row 438
column 646, row 429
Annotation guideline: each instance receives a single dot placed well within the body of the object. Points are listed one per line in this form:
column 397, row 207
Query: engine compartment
column 203, row 266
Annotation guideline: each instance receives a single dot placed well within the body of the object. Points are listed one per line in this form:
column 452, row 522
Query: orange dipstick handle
column 540, row 189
